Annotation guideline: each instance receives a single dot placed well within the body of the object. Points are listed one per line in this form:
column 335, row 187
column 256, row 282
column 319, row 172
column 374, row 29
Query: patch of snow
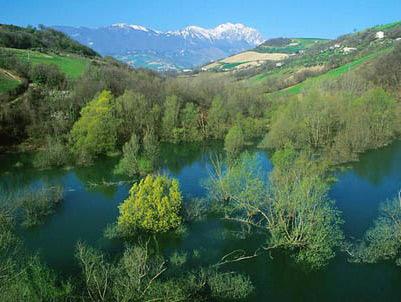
column 226, row 31
column 130, row 26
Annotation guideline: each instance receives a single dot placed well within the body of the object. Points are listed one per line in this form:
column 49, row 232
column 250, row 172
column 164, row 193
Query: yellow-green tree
column 154, row 205
column 96, row 131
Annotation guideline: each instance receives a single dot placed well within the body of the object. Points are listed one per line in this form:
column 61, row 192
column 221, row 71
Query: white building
column 348, row 49
column 380, row 35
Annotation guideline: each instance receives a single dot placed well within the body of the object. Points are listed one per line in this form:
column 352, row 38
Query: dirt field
column 255, row 56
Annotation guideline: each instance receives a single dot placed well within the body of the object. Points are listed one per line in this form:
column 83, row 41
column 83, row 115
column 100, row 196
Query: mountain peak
column 185, row 48
column 225, row 31
column 130, row 26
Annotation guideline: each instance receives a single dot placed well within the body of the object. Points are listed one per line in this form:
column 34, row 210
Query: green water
column 89, row 207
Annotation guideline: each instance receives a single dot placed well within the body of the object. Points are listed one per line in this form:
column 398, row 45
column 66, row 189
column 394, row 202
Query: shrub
column 140, row 275
column 154, row 205
column 39, row 204
column 383, row 240
column 128, row 165
column 47, row 74
column 234, row 141
column 55, row 154
column 30, row 280
column 230, row 285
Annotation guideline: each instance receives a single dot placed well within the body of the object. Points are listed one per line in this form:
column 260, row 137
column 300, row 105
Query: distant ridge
column 189, row 47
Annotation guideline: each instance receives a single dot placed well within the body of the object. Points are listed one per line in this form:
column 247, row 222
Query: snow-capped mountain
column 226, row 31
column 181, row 49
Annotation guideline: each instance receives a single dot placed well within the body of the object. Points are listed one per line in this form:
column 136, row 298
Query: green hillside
column 288, row 45
column 322, row 60
column 72, row 65
column 41, row 38
column 331, row 74
column 21, row 49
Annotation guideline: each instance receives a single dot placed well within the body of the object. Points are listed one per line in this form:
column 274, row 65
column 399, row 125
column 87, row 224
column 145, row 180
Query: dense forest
column 113, row 110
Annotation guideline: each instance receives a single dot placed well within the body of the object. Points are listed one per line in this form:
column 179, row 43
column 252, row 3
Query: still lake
column 90, row 204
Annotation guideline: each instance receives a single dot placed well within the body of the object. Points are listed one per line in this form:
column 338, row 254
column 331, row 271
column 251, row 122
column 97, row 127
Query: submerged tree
column 293, row 210
column 142, row 275
column 128, row 165
column 383, row 240
column 154, row 205
column 234, row 141
column 139, row 159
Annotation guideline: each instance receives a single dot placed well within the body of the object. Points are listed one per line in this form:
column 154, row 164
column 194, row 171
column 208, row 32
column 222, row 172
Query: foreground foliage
column 24, row 278
column 140, row 275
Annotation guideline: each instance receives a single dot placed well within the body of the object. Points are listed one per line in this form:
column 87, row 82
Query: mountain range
column 171, row 50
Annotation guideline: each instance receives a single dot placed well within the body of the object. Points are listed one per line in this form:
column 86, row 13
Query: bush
column 140, row 275
column 39, row 204
column 154, row 205
column 128, row 165
column 30, row 280
column 230, row 285
column 47, row 74
column 55, row 155
column 383, row 240
column 234, row 141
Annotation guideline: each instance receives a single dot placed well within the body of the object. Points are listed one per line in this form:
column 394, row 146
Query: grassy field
column 296, row 45
column 72, row 66
column 334, row 73
column 7, row 82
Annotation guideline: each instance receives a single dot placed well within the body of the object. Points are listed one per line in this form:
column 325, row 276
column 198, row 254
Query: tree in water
column 292, row 210
column 234, row 141
column 95, row 132
column 154, row 205
column 128, row 165
column 383, row 240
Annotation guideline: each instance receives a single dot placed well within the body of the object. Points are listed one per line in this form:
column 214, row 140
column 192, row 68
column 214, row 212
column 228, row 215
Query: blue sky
column 296, row 18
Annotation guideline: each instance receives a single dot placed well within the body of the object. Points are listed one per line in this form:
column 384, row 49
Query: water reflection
column 377, row 165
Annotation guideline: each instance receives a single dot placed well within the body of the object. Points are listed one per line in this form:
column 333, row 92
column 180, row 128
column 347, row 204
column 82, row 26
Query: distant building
column 380, row 35
column 279, row 64
column 348, row 49
column 338, row 45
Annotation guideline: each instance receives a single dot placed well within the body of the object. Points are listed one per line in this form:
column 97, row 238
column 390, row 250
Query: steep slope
column 42, row 38
column 325, row 58
column 185, row 48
